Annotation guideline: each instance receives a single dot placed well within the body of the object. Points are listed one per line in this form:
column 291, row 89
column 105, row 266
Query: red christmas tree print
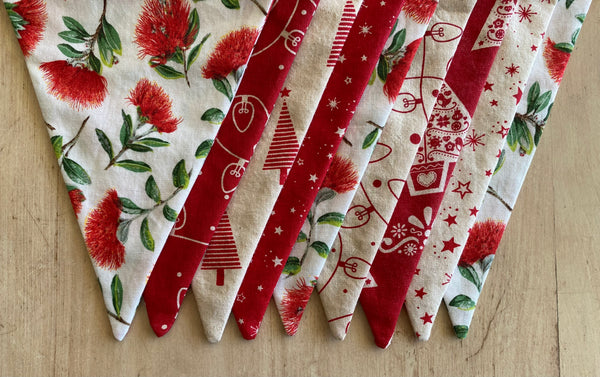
column 230, row 53
column 556, row 57
column 292, row 305
column 284, row 146
column 348, row 17
column 222, row 254
column 484, row 239
column 101, row 232
column 29, row 19
column 79, row 86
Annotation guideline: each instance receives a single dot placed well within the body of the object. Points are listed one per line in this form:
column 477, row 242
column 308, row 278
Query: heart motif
column 426, row 179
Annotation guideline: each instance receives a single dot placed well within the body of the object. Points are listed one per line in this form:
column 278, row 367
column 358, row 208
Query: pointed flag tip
column 119, row 329
column 461, row 331
column 383, row 342
column 160, row 328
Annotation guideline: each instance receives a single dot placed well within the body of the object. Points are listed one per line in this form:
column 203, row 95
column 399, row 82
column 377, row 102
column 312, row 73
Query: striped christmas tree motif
column 348, row 17
column 284, row 147
column 222, row 253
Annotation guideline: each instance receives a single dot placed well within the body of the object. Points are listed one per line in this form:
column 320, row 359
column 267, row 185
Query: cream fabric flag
column 553, row 54
column 118, row 79
column 253, row 200
column 349, row 163
column 346, row 268
column 464, row 193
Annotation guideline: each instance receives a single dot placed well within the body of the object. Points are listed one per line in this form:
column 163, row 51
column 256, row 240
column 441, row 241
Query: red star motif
column 427, row 318
column 368, row 282
column 450, row 245
column 463, row 189
column 487, row 86
column 417, row 334
column 450, row 220
column 488, row 173
column 518, row 95
column 499, row 153
column 417, row 270
column 503, row 132
column 473, row 211
column 285, row 92
column 533, row 48
column 494, row 103
column 420, row 292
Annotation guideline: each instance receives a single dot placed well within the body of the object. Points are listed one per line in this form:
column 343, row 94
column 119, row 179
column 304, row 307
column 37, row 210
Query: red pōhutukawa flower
column 230, row 53
column 342, row 175
column 484, row 239
column 420, row 11
column 101, row 227
column 292, row 305
column 77, row 197
column 29, row 19
column 556, row 57
column 154, row 105
column 78, row 85
column 162, row 28
column 395, row 79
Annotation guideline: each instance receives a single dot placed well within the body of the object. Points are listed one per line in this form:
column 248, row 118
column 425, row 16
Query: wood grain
column 538, row 315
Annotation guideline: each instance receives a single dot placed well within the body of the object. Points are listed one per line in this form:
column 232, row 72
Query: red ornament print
column 420, row 11
column 556, row 60
column 231, row 52
column 30, row 23
column 341, row 176
column 162, row 28
column 484, row 239
column 78, row 86
column 154, row 105
column 77, row 197
column 395, row 78
column 101, row 232
column 292, row 305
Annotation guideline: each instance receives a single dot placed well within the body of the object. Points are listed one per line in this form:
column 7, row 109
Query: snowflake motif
column 399, row 230
column 512, row 70
column 525, row 13
column 474, row 140
column 410, row 249
column 333, row 103
column 365, row 30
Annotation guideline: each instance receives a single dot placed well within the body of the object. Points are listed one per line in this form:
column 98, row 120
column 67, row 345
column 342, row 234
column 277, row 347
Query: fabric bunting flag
column 229, row 154
column 410, row 225
column 123, row 87
column 348, row 165
column 529, row 121
column 216, row 284
column 348, row 80
column 346, row 269
column 503, row 89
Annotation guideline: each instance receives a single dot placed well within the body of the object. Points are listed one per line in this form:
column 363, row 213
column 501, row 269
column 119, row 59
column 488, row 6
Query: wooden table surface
column 538, row 314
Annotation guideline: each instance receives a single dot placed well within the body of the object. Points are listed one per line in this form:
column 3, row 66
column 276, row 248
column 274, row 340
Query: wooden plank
column 537, row 315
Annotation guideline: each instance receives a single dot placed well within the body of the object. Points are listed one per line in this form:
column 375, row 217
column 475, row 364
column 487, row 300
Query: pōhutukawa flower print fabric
column 216, row 283
column 528, row 123
column 124, row 87
column 347, row 166
column 474, row 168
column 231, row 150
column 346, row 269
